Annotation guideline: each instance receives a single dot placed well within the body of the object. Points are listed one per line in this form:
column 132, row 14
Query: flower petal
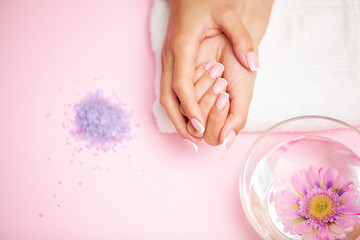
column 287, row 197
column 313, row 176
column 348, row 197
column 285, row 208
column 346, row 187
column 351, row 209
column 286, row 201
column 336, row 230
column 289, row 225
column 302, row 227
column 330, row 236
column 330, row 176
column 345, row 224
column 339, row 182
column 323, row 231
column 310, row 236
column 300, row 183
column 352, row 218
column 288, row 216
column 321, row 176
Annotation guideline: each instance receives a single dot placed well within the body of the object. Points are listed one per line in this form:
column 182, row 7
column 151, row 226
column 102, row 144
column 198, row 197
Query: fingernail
column 217, row 70
column 222, row 101
column 220, row 85
column 197, row 125
column 252, row 60
column 229, row 140
column 209, row 65
column 192, row 145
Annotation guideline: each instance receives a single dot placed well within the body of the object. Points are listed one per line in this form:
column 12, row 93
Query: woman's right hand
column 241, row 80
column 190, row 23
column 221, row 126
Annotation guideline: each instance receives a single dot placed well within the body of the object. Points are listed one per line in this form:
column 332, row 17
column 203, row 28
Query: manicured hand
column 190, row 23
column 223, row 123
column 213, row 100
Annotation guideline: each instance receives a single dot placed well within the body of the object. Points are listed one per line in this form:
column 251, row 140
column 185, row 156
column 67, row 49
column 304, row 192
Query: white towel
column 310, row 63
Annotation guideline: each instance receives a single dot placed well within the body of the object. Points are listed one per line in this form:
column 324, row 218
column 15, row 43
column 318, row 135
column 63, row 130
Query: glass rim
column 245, row 162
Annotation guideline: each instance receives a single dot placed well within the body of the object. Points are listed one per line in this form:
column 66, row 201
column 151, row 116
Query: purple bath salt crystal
column 101, row 123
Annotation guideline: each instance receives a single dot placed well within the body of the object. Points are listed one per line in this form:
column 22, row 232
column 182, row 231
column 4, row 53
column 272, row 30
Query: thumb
column 231, row 24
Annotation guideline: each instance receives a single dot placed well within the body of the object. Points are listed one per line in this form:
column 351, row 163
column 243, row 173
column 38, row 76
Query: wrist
column 176, row 3
column 255, row 15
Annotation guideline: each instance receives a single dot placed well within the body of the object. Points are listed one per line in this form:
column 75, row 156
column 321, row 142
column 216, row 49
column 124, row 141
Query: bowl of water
column 275, row 157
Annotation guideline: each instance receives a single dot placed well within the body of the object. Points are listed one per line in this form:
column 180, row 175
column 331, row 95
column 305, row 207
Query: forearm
column 255, row 14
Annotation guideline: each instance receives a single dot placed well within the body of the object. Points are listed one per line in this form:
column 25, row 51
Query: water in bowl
column 274, row 171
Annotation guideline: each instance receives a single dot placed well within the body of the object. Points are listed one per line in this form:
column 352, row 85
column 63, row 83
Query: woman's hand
column 222, row 126
column 190, row 23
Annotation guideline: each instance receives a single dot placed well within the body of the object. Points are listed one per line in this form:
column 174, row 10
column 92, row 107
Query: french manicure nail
column 217, row 70
column 192, row 145
column 197, row 125
column 222, row 101
column 252, row 60
column 220, row 85
column 229, row 140
column 209, row 65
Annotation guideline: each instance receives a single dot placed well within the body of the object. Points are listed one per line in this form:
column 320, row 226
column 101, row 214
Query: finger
column 231, row 23
column 200, row 71
column 168, row 98
column 239, row 108
column 208, row 80
column 185, row 52
column 210, row 72
column 208, row 101
column 216, row 119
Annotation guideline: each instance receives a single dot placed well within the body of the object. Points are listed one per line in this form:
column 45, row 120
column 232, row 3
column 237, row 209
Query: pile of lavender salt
column 101, row 123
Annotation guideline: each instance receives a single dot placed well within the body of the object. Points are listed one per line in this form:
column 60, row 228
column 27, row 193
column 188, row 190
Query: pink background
column 51, row 54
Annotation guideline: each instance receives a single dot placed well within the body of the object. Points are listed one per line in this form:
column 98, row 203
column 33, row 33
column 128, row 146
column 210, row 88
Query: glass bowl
column 275, row 157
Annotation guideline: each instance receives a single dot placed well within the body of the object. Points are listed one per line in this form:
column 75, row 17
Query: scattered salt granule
column 96, row 168
column 48, row 114
column 100, row 122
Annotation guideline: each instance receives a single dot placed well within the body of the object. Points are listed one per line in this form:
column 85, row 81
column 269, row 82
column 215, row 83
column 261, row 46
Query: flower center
column 320, row 207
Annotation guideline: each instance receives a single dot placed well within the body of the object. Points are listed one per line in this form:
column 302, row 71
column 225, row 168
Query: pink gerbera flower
column 318, row 205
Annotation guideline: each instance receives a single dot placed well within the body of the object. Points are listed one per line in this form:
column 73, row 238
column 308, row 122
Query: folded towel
column 310, row 63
